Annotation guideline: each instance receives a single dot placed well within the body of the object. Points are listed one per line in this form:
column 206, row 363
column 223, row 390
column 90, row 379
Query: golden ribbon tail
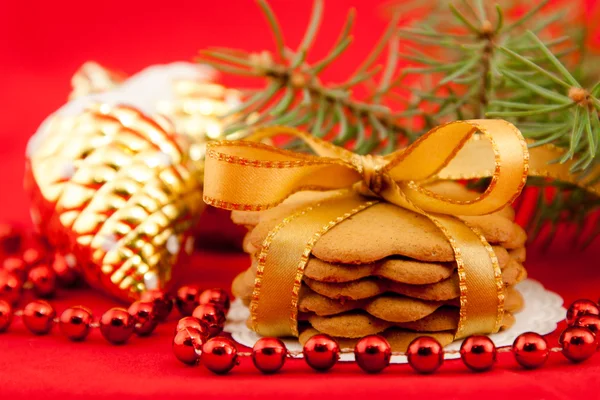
column 253, row 176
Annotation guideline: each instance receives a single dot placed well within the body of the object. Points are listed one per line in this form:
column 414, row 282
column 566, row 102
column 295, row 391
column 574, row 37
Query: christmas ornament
column 38, row 317
column 144, row 319
column 425, row 355
column 373, row 353
column 116, row 183
column 579, row 308
column 116, row 325
column 187, row 345
column 578, row 343
column 321, row 352
column 268, row 355
column 219, row 355
column 211, row 314
column 75, row 323
column 128, row 202
column 186, row 299
column 478, row 353
column 531, row 350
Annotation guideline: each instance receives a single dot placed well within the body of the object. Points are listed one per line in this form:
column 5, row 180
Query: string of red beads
column 35, row 267
column 578, row 342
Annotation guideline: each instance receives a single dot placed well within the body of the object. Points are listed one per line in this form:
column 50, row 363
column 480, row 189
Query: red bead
column 6, row 315
column 143, row 316
column 478, row 352
column 219, row 355
column 15, row 265
column 579, row 308
column 425, row 354
column 530, row 350
column 213, row 316
column 10, row 287
column 116, row 325
column 192, row 322
column 592, row 322
column 64, row 268
column 35, row 252
column 578, row 343
column 268, row 355
column 372, row 353
column 218, row 297
column 186, row 299
column 38, row 317
column 11, row 238
column 43, row 279
column 75, row 323
column 321, row 352
column 163, row 303
column 187, row 345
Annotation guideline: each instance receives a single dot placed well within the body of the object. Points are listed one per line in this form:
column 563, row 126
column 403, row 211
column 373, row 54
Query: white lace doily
column 542, row 311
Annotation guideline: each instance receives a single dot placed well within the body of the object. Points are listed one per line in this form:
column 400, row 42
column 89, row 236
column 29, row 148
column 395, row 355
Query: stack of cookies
column 386, row 270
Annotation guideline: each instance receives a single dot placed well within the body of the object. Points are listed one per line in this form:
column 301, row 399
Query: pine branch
column 295, row 95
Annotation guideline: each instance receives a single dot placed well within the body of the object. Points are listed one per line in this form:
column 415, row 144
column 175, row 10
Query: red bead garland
column 578, row 343
column 6, row 315
column 592, row 322
column 217, row 297
column 425, row 354
column 321, row 352
column 116, row 325
column 75, row 323
column 187, row 345
column 43, row 269
column 219, row 355
column 143, row 316
column 186, row 299
column 213, row 315
column 531, row 350
column 10, row 287
column 373, row 353
column 38, row 317
column 581, row 307
column 43, row 279
column 478, row 353
column 268, row 355
column 163, row 303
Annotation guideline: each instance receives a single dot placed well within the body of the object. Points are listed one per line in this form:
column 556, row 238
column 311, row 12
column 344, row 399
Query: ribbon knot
column 371, row 169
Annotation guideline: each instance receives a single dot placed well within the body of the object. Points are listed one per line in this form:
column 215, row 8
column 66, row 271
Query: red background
column 41, row 44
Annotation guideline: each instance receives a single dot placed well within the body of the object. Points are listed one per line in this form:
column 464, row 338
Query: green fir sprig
column 295, row 96
column 466, row 59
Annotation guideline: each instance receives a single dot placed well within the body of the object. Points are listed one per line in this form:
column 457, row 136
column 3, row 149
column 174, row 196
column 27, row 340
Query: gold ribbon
column 250, row 176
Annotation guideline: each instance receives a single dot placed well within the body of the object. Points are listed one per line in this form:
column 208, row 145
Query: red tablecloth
column 42, row 44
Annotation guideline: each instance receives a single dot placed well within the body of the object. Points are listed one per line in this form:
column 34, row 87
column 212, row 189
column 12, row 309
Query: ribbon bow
column 250, row 176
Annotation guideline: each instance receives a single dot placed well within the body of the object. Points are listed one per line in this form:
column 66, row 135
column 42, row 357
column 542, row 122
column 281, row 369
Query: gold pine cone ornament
column 116, row 180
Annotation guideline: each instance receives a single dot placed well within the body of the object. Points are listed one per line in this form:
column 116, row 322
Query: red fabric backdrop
column 41, row 45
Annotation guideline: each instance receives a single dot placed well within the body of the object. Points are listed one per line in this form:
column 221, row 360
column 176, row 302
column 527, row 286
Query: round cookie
column 403, row 270
column 359, row 324
column 372, row 286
